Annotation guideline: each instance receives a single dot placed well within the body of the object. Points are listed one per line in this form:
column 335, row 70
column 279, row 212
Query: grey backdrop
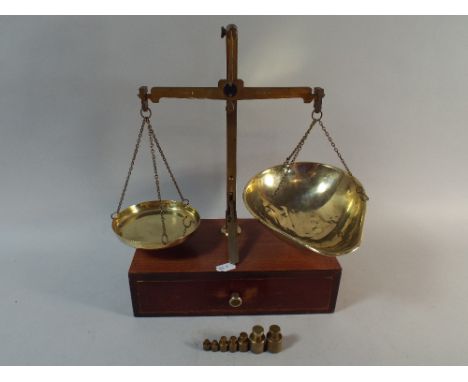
column 395, row 103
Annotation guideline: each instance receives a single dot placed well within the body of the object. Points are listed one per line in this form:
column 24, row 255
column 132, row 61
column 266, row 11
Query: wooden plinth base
column 272, row 276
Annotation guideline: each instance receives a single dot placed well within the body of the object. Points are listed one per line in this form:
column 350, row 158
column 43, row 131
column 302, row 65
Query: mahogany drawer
column 272, row 276
column 302, row 293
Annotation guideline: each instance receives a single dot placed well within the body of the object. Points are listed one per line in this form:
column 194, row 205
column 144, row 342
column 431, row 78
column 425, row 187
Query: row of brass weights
column 257, row 342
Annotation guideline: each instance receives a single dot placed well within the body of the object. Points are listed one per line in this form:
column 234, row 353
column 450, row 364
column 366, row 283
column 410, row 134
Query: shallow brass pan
column 314, row 205
column 142, row 226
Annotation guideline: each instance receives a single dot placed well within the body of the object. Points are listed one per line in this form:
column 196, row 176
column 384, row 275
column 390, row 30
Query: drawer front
column 303, row 294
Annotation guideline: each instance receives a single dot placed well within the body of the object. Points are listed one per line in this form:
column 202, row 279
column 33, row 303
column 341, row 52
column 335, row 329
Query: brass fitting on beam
column 143, row 95
column 319, row 93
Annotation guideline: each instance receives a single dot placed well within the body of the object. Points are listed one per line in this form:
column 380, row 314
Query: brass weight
column 257, row 340
column 207, row 345
column 233, row 344
column 215, row 346
column 243, row 342
column 274, row 339
column 223, row 344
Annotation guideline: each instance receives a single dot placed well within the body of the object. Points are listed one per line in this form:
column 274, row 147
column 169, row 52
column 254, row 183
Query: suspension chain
column 292, row 157
column 359, row 189
column 153, row 158
column 333, row 145
column 132, row 164
column 153, row 140
column 164, row 238
column 166, row 163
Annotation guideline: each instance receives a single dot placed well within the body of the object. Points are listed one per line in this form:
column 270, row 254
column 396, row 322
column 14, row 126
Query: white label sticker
column 225, row 267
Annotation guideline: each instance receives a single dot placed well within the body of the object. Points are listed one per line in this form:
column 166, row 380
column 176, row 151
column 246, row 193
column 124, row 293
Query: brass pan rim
column 337, row 169
column 146, row 207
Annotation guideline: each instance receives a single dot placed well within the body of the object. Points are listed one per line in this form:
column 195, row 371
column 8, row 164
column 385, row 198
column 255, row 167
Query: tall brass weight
column 231, row 90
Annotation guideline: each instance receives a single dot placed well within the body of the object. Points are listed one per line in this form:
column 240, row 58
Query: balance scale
column 283, row 261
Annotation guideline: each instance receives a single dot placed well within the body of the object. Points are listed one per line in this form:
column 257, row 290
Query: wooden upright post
column 230, row 89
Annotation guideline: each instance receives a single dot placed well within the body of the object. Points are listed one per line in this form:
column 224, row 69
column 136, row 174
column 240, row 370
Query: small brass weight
column 257, row 342
column 274, row 339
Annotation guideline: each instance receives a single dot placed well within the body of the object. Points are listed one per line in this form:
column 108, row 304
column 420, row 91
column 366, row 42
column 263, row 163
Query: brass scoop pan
column 314, row 205
column 143, row 226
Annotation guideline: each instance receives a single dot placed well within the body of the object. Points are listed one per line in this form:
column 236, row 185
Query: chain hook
column 143, row 95
column 319, row 93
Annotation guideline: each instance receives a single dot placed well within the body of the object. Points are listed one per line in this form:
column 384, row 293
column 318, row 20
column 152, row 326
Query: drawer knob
column 235, row 301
